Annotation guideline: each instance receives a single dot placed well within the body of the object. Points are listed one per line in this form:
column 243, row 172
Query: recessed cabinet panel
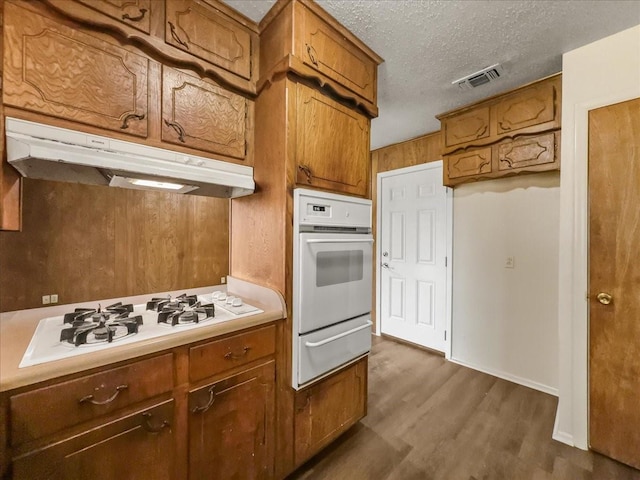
column 532, row 106
column 197, row 113
column 135, row 13
column 138, row 446
column 325, row 50
column 205, row 32
column 332, row 144
column 470, row 163
column 466, row 127
column 231, row 430
column 527, row 152
column 92, row 81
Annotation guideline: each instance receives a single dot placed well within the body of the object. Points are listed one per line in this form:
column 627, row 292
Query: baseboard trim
column 559, row 436
column 508, row 376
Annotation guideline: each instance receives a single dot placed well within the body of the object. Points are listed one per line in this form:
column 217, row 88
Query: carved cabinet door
column 205, row 32
column 536, row 105
column 60, row 71
column 138, row 446
column 231, row 426
column 135, row 13
column 467, row 127
column 332, row 144
column 326, row 50
column 199, row 114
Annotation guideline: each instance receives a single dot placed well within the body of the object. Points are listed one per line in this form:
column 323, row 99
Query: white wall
column 598, row 74
column 505, row 320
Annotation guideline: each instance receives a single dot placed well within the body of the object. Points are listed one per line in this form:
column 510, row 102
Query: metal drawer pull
column 340, row 335
column 233, row 356
column 340, row 240
column 178, row 129
column 151, row 429
column 209, row 403
column 125, row 122
column 137, row 18
column 90, row 399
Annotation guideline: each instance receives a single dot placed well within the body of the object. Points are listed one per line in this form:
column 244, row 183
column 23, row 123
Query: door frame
column 449, row 245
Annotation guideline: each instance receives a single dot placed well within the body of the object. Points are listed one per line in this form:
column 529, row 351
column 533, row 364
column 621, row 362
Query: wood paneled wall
column 423, row 149
column 86, row 242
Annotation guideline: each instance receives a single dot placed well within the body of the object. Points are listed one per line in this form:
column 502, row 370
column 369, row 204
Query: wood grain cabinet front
column 92, row 81
column 332, row 144
column 198, row 113
column 137, row 446
column 231, row 426
column 328, row 408
column 534, row 106
column 135, row 13
column 206, row 32
column 466, row 127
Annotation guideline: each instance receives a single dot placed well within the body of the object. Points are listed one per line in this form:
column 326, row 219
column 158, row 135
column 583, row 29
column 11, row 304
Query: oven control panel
column 316, row 208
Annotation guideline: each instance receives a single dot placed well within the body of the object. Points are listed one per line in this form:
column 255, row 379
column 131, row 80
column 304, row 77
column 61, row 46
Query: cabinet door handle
column 237, row 356
column 307, row 171
column 177, row 127
column 131, row 116
column 312, row 54
column 176, row 37
column 137, row 18
column 503, row 126
column 146, row 424
column 212, row 398
column 90, row 399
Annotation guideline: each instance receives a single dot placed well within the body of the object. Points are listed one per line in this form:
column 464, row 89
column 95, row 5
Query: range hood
column 51, row 153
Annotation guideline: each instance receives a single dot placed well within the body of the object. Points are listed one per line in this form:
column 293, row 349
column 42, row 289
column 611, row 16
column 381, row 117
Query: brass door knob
column 604, row 298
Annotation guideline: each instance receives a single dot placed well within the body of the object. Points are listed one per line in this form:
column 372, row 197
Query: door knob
column 604, row 298
column 385, row 265
column 385, row 254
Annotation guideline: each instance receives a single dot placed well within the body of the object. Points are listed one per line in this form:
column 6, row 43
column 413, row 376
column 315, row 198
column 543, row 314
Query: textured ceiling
column 427, row 44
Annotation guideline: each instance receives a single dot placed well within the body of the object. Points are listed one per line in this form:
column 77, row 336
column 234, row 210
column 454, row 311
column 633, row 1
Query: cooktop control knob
column 237, row 302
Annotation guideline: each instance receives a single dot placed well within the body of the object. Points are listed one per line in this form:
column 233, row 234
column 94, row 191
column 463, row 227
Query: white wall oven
column 332, row 251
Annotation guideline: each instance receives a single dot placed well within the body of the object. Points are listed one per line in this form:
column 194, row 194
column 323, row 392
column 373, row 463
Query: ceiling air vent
column 486, row 75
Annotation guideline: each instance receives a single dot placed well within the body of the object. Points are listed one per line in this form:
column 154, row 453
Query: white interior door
column 414, row 225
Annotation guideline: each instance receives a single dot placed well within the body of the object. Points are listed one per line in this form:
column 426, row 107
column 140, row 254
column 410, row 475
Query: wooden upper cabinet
column 92, row 81
column 207, row 33
column 323, row 48
column 467, row 127
column 231, row 427
column 332, row 144
column 198, row 113
column 135, row 13
column 517, row 132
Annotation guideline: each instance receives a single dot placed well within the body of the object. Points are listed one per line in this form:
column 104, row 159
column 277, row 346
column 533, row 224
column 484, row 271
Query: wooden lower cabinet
column 231, row 427
column 137, row 446
column 328, row 408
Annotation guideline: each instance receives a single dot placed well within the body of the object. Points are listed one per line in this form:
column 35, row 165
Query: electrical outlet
column 223, row 280
column 54, row 298
column 46, row 299
column 510, row 262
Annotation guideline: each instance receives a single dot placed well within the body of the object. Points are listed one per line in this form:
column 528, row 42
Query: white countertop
column 17, row 328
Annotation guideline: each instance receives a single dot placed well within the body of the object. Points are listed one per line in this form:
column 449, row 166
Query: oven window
column 334, row 268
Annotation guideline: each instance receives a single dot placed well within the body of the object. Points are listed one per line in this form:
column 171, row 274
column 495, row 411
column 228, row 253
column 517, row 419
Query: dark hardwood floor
column 433, row 419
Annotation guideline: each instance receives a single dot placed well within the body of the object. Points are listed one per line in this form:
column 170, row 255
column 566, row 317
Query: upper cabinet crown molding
column 299, row 36
column 515, row 132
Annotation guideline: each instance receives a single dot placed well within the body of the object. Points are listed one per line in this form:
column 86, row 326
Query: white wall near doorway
column 505, row 320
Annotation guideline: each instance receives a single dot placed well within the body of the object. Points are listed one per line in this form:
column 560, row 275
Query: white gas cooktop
column 46, row 344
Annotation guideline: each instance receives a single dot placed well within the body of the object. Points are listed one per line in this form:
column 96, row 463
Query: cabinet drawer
column 527, row 152
column 91, row 81
column 49, row 409
column 137, row 446
column 215, row 357
column 199, row 114
column 474, row 162
column 207, row 33
column 466, row 127
column 135, row 13
column 323, row 48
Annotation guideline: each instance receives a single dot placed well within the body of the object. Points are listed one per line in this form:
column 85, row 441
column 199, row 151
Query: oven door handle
column 340, row 335
column 339, row 240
